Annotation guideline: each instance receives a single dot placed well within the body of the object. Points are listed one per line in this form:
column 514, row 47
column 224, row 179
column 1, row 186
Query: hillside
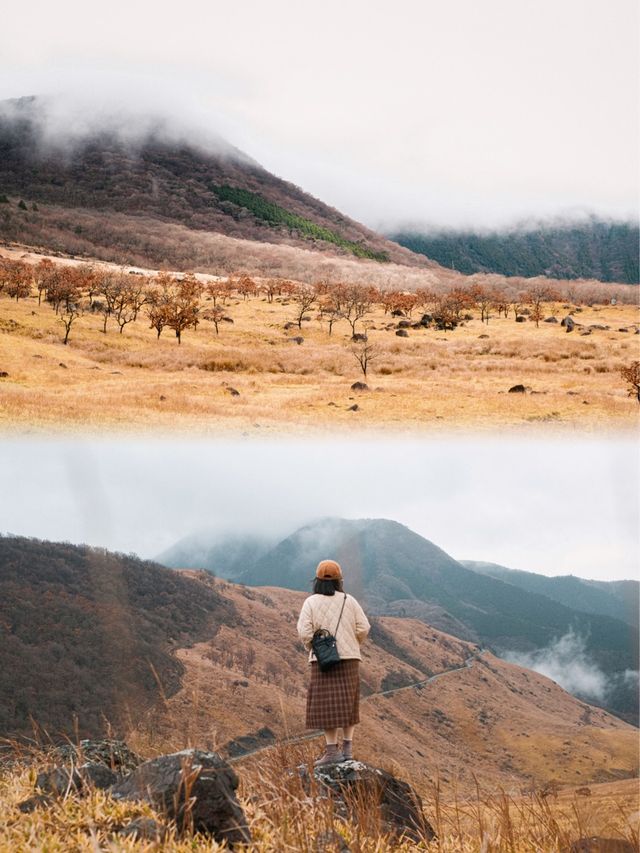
column 501, row 722
column 618, row 599
column 90, row 636
column 607, row 251
column 162, row 177
column 397, row 572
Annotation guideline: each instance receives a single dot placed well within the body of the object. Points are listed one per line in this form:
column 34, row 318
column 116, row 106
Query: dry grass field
column 430, row 380
column 282, row 817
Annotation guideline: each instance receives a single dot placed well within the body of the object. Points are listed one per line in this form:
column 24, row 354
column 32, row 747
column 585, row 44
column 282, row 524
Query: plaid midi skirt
column 333, row 699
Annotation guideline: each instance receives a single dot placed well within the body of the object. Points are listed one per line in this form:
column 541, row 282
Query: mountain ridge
column 172, row 180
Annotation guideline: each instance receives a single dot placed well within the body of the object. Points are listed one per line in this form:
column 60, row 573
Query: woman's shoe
column 347, row 750
column 331, row 755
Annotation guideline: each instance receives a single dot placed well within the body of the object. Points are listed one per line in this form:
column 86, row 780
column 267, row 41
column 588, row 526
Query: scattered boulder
column 402, row 333
column 297, row 340
column 354, row 781
column 62, row 364
column 143, row 829
column 397, row 312
column 623, row 329
column 37, row 801
column 517, row 389
column 233, row 391
column 354, row 408
column 521, row 319
column 599, row 326
column 568, row 323
column 584, row 332
column 3, row 374
column 426, row 320
column 359, row 386
column 249, row 743
column 111, row 752
column 598, row 844
column 483, row 336
column 404, row 324
column 550, row 320
column 59, row 781
column 226, row 319
column 359, row 337
column 195, row 788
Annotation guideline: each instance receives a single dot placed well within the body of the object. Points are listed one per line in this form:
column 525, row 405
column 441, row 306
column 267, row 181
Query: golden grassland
column 429, row 381
column 283, row 816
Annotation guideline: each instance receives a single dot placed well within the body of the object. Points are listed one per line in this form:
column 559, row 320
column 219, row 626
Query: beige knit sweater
column 323, row 611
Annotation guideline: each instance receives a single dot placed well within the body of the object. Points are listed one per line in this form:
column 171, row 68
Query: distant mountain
column 618, row 599
column 208, row 186
column 597, row 249
column 228, row 556
column 397, row 572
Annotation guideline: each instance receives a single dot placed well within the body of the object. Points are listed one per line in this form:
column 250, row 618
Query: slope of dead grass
column 430, row 380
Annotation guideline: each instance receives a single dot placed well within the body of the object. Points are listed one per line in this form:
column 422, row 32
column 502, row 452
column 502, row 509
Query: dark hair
column 326, row 587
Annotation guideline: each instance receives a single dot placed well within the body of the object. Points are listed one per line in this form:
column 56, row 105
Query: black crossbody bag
column 324, row 644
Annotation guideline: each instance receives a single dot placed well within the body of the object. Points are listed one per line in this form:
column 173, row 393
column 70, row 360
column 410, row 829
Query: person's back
column 334, row 695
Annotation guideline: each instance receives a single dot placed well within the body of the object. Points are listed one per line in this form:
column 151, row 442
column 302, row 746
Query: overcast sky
column 552, row 507
column 462, row 112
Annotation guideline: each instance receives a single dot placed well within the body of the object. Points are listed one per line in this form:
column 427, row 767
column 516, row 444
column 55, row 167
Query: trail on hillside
column 415, row 685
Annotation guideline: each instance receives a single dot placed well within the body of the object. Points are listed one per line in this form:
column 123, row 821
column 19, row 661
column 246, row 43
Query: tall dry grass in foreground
column 284, row 815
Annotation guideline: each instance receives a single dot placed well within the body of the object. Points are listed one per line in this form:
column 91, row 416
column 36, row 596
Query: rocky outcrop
column 195, row 789
column 362, row 791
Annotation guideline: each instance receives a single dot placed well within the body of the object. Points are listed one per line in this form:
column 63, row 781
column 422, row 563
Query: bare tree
column 536, row 296
column 68, row 316
column 364, row 354
column 304, row 297
column 356, row 305
column 214, row 315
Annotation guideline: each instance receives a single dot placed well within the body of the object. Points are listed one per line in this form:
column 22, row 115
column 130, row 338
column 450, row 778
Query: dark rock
column 233, row 391
column 550, row 320
column 468, row 317
column 249, row 743
column 359, row 386
column 404, row 324
column 598, row 844
column 162, row 397
column 517, row 389
column 354, row 408
column 60, row 781
column 195, row 788
column 521, row 319
column 483, row 336
column 297, row 340
column 426, row 319
column 397, row 312
column 569, row 323
column 599, row 327
column 402, row 333
column 585, row 332
column 37, row 801
column 3, row 374
column 288, row 326
column 143, row 829
column 359, row 337
column 113, row 753
column 226, row 319
column 62, row 364
column 623, row 330
column 353, row 782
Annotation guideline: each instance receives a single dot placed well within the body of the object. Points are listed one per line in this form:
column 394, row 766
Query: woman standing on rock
column 333, row 699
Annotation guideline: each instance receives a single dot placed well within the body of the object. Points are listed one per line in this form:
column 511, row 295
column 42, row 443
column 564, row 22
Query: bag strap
column 340, row 617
